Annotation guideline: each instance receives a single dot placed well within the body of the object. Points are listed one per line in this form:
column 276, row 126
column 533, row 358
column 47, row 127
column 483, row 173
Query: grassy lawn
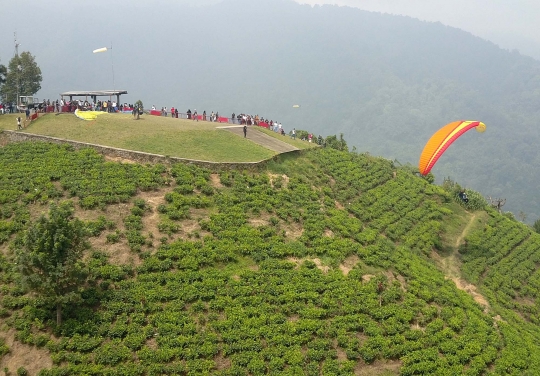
column 151, row 134
column 9, row 122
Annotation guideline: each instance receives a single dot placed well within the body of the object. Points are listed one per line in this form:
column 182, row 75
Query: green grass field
column 9, row 122
column 153, row 134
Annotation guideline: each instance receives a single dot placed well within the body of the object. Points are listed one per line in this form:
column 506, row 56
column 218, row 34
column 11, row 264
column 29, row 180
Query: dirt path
column 451, row 266
column 261, row 138
column 465, row 231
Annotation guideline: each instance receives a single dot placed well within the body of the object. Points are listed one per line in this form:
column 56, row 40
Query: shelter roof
column 99, row 93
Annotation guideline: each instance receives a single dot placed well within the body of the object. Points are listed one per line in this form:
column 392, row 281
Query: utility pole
column 17, row 77
column 104, row 49
column 112, row 66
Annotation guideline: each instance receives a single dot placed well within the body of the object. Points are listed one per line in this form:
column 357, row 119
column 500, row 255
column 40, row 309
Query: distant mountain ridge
column 386, row 82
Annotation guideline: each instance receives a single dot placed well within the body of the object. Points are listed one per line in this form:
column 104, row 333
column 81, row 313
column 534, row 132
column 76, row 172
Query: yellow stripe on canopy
column 442, row 139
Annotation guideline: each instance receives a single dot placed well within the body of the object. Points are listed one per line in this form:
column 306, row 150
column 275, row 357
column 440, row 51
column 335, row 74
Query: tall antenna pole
column 112, row 66
column 103, row 49
column 17, row 76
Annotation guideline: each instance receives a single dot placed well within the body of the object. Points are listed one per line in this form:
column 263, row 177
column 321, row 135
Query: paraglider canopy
column 103, row 49
column 442, row 139
column 296, row 106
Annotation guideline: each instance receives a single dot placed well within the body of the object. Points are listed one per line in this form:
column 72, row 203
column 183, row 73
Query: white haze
column 511, row 24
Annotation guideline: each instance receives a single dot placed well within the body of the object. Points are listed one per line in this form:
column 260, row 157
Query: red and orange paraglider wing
column 442, row 139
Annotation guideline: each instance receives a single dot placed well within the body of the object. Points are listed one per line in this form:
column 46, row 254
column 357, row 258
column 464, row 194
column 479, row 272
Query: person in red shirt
column 172, row 112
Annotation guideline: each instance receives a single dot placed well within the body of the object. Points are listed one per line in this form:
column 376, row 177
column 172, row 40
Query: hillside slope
column 316, row 264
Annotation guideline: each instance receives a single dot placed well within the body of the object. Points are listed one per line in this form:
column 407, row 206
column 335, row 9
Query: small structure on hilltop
column 94, row 94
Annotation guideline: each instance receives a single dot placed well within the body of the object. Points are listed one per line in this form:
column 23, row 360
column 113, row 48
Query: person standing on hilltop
column 195, row 116
column 245, row 130
column 19, row 127
column 172, row 112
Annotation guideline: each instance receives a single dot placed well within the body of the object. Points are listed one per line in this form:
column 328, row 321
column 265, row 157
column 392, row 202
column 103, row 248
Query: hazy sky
column 511, row 24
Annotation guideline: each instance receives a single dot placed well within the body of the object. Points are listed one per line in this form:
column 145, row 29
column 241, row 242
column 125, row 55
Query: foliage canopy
column 49, row 256
column 3, row 73
column 23, row 76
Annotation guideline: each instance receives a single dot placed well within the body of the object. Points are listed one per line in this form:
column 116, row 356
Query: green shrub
column 112, row 353
column 114, row 237
column 168, row 227
column 95, row 228
column 141, row 204
column 137, row 211
column 4, row 349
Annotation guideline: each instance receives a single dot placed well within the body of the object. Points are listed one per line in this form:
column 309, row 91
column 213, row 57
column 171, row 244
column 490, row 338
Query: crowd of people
column 6, row 108
column 191, row 115
column 241, row 119
column 60, row 105
column 111, row 106
column 105, row 106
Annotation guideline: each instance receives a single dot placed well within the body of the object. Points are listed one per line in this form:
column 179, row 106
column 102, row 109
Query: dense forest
column 326, row 262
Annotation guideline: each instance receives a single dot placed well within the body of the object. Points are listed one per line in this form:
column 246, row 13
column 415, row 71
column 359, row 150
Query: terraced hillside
column 321, row 263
